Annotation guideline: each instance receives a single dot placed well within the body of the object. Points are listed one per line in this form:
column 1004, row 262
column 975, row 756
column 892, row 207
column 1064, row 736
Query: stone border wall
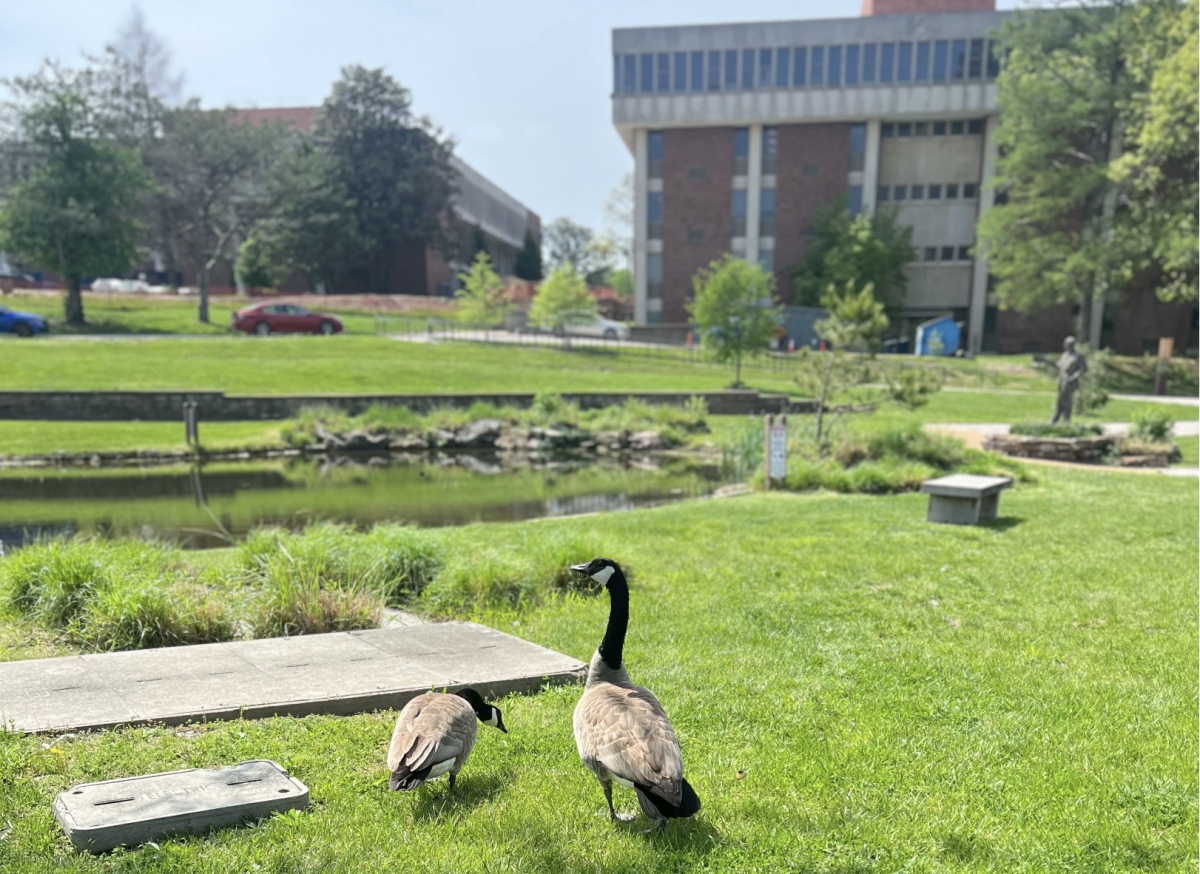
column 215, row 406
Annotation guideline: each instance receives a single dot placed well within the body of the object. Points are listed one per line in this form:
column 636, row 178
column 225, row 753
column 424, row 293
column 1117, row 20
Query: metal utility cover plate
column 132, row 810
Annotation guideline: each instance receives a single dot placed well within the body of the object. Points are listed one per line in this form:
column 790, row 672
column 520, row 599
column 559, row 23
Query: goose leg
column 612, row 813
column 453, row 776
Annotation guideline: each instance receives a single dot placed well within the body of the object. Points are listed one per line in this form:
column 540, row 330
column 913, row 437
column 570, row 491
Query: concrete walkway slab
column 342, row 673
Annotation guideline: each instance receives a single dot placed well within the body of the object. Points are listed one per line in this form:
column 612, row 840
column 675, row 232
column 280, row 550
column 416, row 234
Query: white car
column 593, row 325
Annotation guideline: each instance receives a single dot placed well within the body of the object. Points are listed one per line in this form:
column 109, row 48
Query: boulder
column 646, row 440
column 483, row 432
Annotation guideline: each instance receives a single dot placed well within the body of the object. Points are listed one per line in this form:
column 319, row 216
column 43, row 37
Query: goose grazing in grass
column 435, row 734
column 622, row 732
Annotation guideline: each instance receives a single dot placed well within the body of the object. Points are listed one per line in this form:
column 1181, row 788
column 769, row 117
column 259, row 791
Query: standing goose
column 622, row 732
column 435, row 734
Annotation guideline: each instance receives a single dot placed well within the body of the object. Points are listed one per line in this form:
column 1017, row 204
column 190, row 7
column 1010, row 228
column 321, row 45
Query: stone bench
column 964, row 499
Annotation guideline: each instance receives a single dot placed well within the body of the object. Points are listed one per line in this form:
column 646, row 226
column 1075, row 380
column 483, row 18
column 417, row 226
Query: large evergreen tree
column 1062, row 229
column 529, row 260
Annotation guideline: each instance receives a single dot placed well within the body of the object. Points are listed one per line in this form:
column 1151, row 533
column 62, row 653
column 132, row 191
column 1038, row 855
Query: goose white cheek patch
column 494, row 720
column 601, row 576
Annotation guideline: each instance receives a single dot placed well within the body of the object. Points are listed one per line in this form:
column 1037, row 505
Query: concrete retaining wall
column 167, row 406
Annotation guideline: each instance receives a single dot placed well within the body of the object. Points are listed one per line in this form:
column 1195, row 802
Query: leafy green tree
column 575, row 246
column 1160, row 168
column 620, row 281
column 529, row 260
column 79, row 212
column 1060, row 231
column 257, row 266
column 561, row 296
column 735, row 309
column 309, row 224
column 210, row 171
column 394, row 167
column 481, row 300
column 856, row 318
column 867, row 249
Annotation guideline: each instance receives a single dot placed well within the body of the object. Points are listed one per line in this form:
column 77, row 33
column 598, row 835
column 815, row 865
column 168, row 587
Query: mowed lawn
column 854, row 690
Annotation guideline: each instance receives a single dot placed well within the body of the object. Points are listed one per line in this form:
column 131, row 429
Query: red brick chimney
column 913, row 7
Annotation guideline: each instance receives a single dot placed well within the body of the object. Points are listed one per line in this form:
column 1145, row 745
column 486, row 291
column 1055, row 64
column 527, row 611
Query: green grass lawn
column 897, row 695
column 1189, row 447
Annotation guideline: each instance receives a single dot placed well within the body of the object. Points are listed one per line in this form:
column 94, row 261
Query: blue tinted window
column 629, row 75
column 854, row 199
column 616, row 74
column 764, row 67
column 922, row 62
column 800, row 68
column 747, row 68
column 739, row 203
column 654, row 145
column 941, row 49
column 868, row 73
column 714, row 71
column 887, row 60
column 663, row 80
column 766, row 260
column 958, row 59
column 834, row 75
column 975, row 63
column 697, row 71
column 993, row 59
column 818, row 65
column 654, row 267
column 767, row 202
column 654, row 206
column 647, row 78
column 741, row 142
column 851, row 65
column 904, row 63
column 782, row 67
column 731, row 70
column 858, row 139
column 681, row 71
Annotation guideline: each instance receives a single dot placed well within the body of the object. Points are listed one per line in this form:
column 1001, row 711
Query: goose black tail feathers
column 689, row 802
column 408, row 781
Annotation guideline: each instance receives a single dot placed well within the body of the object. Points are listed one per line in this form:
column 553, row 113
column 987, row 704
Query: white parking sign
column 778, row 445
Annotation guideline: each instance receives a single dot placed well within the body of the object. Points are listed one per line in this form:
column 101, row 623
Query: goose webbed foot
column 658, row 826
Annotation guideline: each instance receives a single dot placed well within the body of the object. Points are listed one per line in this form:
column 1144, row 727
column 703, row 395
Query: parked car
column 587, row 324
column 128, row 285
column 283, row 318
column 22, row 324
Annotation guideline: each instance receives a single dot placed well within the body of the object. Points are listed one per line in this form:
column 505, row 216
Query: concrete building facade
column 741, row 132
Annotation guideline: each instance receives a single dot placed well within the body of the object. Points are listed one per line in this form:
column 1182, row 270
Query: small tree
column 562, row 295
column 855, row 319
column 481, row 298
column 735, row 309
column 529, row 260
column 257, row 266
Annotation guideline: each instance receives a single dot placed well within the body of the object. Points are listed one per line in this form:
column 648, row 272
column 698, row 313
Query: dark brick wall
column 1043, row 330
column 1142, row 319
column 797, row 196
column 167, row 406
column 694, row 204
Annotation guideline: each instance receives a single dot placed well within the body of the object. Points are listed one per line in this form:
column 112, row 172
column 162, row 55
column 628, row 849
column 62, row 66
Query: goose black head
column 488, row 714
column 599, row 569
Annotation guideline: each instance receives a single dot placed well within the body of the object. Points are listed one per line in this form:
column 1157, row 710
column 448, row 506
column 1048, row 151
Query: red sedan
column 283, row 318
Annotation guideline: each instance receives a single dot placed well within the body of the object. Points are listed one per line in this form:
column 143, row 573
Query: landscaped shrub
column 294, row 599
column 1153, row 425
column 1059, row 429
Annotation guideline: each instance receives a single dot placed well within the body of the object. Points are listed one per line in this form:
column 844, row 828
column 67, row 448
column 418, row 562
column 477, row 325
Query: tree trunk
column 737, row 379
column 1085, row 314
column 202, row 278
column 821, row 402
column 1095, row 323
column 73, row 302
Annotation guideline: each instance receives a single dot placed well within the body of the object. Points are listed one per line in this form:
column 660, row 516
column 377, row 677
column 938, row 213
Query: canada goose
column 435, row 734
column 622, row 732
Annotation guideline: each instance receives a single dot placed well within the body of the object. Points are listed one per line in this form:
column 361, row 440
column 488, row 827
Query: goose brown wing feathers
column 432, row 728
column 626, row 730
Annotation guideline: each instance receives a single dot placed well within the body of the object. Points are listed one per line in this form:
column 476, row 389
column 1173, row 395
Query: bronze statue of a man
column 1071, row 368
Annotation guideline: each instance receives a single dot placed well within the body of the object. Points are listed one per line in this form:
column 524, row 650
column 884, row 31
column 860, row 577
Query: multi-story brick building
column 740, row 132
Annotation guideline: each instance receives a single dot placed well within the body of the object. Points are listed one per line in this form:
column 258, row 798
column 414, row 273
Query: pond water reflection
column 202, row 507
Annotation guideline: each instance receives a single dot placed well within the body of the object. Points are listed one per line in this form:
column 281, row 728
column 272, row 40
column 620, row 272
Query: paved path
column 1160, row 399
column 1185, row 428
column 512, row 338
column 342, row 673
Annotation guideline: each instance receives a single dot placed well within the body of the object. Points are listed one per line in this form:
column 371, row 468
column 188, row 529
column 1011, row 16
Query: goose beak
column 579, row 568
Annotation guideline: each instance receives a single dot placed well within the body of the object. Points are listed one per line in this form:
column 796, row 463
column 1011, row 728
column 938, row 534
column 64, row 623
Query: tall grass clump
column 293, row 599
column 113, row 595
column 1064, row 430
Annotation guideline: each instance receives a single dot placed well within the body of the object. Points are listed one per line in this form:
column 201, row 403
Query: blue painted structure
column 940, row 336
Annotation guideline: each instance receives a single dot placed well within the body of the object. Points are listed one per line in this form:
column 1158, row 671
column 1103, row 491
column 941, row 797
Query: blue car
column 22, row 324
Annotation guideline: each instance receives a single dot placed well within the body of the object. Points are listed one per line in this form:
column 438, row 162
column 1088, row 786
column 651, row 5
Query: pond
column 206, row 506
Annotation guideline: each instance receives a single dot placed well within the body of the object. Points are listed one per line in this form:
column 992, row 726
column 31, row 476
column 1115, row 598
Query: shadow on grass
column 1003, row 523
column 435, row 801
column 696, row 835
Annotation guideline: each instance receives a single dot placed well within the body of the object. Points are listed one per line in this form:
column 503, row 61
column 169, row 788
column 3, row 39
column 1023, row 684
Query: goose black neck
column 618, row 620
column 482, row 710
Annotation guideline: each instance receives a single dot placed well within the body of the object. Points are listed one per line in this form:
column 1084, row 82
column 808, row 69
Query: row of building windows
column 931, row 128
column 942, row 253
column 806, row 66
column 934, row 191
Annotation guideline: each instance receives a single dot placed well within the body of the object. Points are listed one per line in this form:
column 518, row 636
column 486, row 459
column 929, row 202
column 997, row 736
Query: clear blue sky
column 523, row 86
